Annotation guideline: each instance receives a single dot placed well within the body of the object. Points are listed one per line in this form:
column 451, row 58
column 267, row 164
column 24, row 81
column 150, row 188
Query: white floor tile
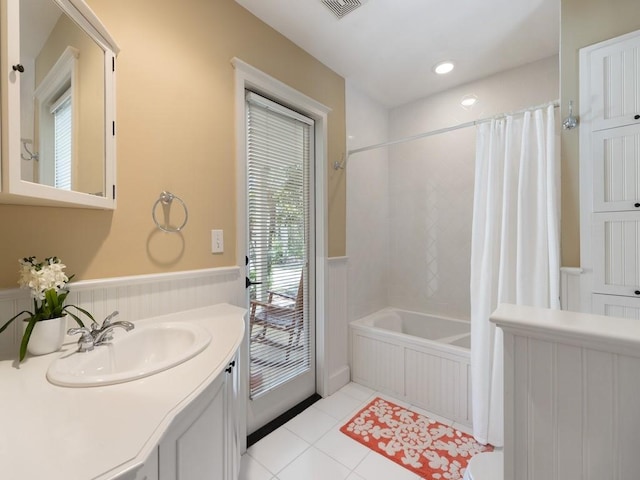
column 339, row 405
column 376, row 467
column 311, row 424
column 278, row 449
column 358, row 391
column 250, row 469
column 342, row 448
column 355, row 476
column 314, row 465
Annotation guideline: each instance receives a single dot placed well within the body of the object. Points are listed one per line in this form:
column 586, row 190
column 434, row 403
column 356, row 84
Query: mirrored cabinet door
column 58, row 105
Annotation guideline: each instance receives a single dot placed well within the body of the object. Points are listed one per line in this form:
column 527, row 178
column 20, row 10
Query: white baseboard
column 339, row 378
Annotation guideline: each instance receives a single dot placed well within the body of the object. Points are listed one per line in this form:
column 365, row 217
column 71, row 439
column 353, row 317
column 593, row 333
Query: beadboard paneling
column 570, row 288
column 571, row 409
column 337, row 323
column 135, row 297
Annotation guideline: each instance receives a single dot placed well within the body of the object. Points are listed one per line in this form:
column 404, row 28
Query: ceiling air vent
column 341, row 7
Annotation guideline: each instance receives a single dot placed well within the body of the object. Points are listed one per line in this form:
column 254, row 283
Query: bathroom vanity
column 181, row 423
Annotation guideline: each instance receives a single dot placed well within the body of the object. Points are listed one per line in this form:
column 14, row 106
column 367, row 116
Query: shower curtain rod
column 555, row 103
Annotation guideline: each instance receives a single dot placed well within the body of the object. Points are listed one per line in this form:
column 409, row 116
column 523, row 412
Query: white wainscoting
column 432, row 376
column 337, row 323
column 570, row 288
column 571, row 395
column 135, row 297
column 144, row 296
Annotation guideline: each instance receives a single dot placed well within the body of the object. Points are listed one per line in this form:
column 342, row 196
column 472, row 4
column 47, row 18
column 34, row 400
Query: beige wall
column 175, row 123
column 583, row 23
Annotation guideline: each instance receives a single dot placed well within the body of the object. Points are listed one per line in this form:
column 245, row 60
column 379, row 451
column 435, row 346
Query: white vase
column 47, row 336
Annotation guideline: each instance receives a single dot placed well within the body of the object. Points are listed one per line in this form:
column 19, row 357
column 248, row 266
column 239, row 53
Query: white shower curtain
column 515, row 245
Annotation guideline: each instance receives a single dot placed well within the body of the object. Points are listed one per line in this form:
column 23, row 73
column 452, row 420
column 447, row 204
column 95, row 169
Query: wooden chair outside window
column 282, row 313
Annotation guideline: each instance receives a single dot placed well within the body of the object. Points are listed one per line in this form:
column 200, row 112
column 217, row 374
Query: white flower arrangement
column 47, row 282
column 40, row 277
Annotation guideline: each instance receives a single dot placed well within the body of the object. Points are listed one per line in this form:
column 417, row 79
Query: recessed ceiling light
column 443, row 67
column 468, row 100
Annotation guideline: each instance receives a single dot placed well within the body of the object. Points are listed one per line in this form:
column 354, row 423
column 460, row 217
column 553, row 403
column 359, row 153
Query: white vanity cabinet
column 181, row 423
column 149, row 471
column 202, row 441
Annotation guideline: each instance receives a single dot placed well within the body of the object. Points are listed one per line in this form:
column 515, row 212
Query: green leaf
column 27, row 336
column 66, row 310
column 51, row 298
column 75, row 317
column 4, row 327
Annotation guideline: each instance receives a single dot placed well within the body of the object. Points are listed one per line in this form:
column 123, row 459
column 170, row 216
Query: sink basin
column 149, row 348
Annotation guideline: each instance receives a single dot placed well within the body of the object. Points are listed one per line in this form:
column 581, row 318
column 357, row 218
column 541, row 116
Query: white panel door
column 616, row 253
column 616, row 306
column 615, row 76
column 616, row 169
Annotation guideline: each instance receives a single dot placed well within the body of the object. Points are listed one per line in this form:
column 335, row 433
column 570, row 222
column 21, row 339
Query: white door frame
column 248, row 77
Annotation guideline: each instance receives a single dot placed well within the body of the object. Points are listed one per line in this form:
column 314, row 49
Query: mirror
column 64, row 80
column 62, row 101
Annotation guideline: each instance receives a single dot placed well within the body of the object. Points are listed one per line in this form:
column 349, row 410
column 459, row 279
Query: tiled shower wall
column 431, row 204
column 409, row 206
column 368, row 230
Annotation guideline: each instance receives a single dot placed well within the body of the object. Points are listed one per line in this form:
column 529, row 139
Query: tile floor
column 311, row 446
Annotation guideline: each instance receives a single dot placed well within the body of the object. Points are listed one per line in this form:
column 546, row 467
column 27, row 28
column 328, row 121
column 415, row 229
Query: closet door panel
column 616, row 169
column 616, row 242
column 616, row 306
column 615, row 81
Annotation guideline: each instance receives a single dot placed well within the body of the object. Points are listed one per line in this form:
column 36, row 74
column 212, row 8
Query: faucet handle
column 107, row 321
column 85, row 343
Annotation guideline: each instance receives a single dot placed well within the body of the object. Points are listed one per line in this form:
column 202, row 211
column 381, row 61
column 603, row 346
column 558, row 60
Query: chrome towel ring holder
column 166, row 199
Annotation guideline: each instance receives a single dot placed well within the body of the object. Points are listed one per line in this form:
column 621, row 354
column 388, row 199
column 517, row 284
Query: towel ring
column 166, row 198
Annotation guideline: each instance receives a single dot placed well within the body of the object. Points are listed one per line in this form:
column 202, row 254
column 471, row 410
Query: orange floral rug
column 428, row 448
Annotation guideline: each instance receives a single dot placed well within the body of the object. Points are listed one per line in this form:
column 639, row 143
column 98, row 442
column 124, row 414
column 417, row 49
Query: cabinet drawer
column 616, row 169
column 616, row 306
column 616, row 257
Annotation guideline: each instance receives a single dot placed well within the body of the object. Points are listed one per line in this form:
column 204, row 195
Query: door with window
column 280, row 268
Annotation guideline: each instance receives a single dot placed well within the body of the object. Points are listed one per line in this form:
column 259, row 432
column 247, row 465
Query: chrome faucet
column 105, row 334
column 98, row 335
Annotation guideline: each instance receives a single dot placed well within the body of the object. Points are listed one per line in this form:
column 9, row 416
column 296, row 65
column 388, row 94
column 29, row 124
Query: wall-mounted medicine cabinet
column 58, row 105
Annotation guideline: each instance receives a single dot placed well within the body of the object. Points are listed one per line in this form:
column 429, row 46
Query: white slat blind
column 279, row 143
column 62, row 131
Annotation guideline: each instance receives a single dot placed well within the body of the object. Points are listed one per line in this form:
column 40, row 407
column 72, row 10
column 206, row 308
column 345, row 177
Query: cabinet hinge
column 114, row 191
column 113, row 64
column 113, row 128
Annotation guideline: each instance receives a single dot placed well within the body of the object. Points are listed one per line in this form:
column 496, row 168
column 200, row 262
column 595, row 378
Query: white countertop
column 597, row 331
column 51, row 432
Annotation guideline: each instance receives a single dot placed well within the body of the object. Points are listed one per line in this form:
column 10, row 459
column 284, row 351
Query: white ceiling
column 388, row 47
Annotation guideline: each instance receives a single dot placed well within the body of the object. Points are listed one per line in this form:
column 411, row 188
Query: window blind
column 279, row 152
column 62, row 131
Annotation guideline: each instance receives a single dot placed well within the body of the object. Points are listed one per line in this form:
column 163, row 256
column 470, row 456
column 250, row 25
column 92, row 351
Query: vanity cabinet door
column 232, row 460
column 194, row 446
column 149, row 470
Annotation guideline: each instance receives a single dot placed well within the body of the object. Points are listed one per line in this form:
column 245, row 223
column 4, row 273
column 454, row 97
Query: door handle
column 248, row 283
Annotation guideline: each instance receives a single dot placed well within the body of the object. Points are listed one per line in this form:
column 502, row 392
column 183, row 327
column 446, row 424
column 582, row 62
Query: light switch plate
column 217, row 241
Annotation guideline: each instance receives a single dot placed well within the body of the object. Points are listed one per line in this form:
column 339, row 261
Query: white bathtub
column 421, row 359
